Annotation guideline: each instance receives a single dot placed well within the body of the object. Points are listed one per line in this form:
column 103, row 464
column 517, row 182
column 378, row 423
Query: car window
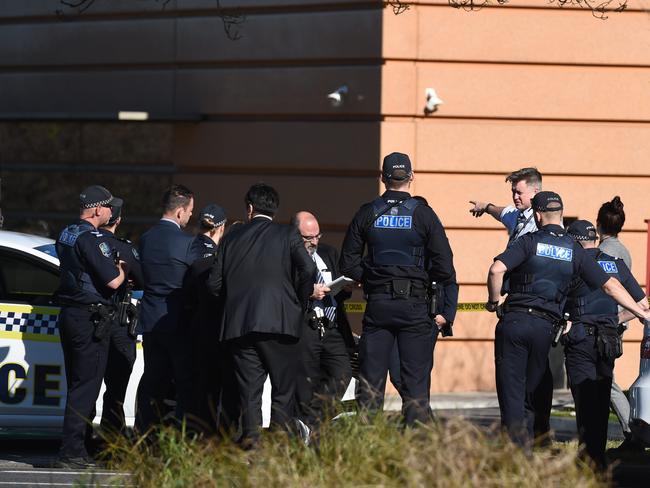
column 24, row 278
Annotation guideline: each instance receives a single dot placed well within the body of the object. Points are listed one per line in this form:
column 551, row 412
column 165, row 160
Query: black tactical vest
column 76, row 286
column 392, row 239
column 587, row 304
column 543, row 280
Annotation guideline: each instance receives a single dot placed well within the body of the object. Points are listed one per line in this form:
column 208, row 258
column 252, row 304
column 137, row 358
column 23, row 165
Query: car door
column 32, row 378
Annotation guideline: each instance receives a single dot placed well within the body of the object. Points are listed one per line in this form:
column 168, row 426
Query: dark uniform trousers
column 121, row 357
column 85, row 363
column 407, row 322
column 324, row 372
column 167, row 355
column 590, row 380
column 253, row 355
column 522, row 343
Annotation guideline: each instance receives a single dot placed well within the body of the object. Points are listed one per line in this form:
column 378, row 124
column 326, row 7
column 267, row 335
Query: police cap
column 582, row 230
column 116, row 210
column 213, row 214
column 95, row 196
column 547, row 201
column 396, row 166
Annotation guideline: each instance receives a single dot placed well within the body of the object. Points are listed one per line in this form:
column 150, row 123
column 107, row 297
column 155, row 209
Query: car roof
column 41, row 247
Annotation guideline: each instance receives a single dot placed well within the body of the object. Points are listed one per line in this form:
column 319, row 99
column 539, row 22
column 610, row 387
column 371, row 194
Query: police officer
column 121, row 353
column 407, row 250
column 593, row 343
column 540, row 266
column 90, row 277
column 211, row 364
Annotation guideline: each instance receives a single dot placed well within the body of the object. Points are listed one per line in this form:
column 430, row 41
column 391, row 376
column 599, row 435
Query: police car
column 32, row 373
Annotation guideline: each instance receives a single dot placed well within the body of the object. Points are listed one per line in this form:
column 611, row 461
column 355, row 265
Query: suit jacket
column 330, row 256
column 253, row 275
column 166, row 253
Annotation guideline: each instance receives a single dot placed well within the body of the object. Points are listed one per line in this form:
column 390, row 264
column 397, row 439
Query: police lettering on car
column 89, row 278
column 407, row 251
column 541, row 267
column 593, row 343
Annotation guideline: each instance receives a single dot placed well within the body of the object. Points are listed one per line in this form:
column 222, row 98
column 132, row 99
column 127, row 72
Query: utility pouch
column 609, row 343
column 102, row 317
column 401, row 288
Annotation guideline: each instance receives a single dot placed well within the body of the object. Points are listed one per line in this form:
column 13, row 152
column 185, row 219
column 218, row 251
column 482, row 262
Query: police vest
column 586, row 303
column 76, row 286
column 392, row 238
column 546, row 275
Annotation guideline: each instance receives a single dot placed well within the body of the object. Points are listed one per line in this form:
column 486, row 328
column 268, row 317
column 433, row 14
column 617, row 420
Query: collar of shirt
column 395, row 195
column 554, row 228
column 172, row 221
column 262, row 216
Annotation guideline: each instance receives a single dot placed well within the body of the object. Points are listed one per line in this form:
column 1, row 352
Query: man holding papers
column 325, row 363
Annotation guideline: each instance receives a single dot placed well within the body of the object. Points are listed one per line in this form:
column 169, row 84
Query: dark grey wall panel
column 87, row 92
column 278, row 90
column 342, row 35
column 344, row 147
column 27, row 8
column 61, row 43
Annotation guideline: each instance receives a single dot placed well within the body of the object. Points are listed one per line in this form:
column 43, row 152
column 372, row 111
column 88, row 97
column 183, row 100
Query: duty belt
column 388, row 291
column 531, row 311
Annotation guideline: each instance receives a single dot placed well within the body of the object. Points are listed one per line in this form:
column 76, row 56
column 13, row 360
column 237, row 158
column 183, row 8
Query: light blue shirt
column 518, row 223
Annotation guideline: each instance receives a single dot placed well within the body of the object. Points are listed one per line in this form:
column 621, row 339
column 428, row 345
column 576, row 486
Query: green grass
column 351, row 453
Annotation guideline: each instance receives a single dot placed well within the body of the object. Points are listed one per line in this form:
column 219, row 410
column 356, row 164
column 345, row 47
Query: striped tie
column 328, row 304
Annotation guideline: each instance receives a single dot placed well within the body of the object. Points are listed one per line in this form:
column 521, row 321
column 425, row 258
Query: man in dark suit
column 324, row 369
column 166, row 253
column 263, row 307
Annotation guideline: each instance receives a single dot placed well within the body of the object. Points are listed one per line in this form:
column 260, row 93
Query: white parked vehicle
column 640, row 392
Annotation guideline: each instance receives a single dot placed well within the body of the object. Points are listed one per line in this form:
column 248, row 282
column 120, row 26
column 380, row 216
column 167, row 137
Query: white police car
column 32, row 374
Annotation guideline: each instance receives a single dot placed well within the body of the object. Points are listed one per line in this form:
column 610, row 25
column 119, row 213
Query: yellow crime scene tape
column 360, row 307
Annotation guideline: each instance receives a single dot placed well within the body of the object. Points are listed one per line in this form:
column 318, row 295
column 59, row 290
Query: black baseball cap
column 116, row 210
column 547, row 201
column 396, row 163
column 214, row 213
column 582, row 230
column 95, row 196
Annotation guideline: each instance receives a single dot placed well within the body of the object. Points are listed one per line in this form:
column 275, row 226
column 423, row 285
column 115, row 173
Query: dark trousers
column 521, row 347
column 592, row 416
column 255, row 356
column 215, row 401
column 167, row 367
column 590, row 380
column 542, row 403
column 407, row 323
column 121, row 356
column 324, row 372
column 85, row 362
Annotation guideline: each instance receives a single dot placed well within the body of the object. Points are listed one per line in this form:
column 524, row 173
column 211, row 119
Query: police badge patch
column 105, row 249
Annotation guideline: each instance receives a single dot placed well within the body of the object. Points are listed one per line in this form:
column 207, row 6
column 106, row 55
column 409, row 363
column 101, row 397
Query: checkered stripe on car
column 34, row 322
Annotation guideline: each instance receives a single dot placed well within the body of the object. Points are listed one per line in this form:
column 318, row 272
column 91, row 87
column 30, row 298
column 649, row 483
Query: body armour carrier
column 76, row 286
column 589, row 305
column 392, row 238
column 547, row 274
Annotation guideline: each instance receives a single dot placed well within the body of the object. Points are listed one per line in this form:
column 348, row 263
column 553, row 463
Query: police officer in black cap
column 407, row 250
column 593, row 343
column 90, row 277
column 121, row 353
column 541, row 267
column 210, row 408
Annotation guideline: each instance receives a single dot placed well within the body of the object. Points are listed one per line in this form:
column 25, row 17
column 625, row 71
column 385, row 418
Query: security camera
column 337, row 97
column 432, row 101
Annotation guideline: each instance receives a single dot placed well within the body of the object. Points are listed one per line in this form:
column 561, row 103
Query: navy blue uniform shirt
column 439, row 257
column 583, row 266
column 87, row 265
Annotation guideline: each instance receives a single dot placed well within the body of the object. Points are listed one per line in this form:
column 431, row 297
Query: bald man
column 325, row 369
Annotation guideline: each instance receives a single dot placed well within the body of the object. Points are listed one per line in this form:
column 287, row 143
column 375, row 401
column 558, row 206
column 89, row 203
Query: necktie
column 328, row 304
column 521, row 222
